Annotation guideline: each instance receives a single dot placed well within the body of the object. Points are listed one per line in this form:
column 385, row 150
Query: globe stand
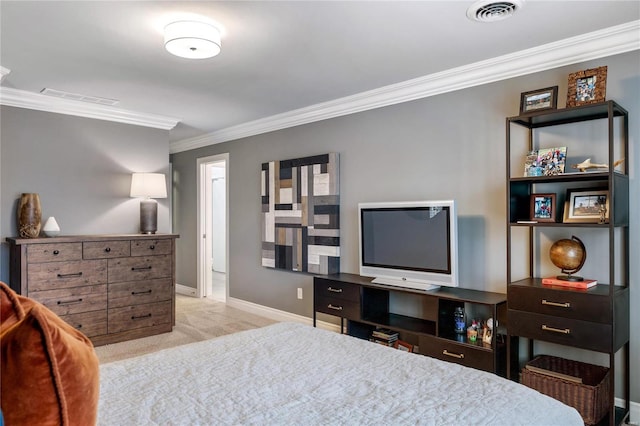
column 569, row 277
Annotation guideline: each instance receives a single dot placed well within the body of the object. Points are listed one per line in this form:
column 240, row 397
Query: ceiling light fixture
column 192, row 39
column 491, row 11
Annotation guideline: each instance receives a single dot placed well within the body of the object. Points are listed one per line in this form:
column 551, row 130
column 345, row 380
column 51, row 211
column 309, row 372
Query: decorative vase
column 51, row 227
column 29, row 216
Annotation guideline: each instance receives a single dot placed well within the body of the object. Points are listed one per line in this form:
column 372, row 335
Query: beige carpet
column 196, row 320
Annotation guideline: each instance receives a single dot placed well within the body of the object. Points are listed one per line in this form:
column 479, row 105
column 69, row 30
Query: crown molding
column 598, row 44
column 36, row 101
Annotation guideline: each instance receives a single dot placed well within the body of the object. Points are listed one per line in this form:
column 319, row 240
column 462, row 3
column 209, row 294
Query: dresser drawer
column 448, row 350
column 561, row 303
column 55, row 252
column 565, row 331
column 336, row 290
column 139, row 268
column 89, row 323
column 150, row 247
column 73, row 300
column 139, row 316
column 139, row 292
column 55, row 275
column 105, row 249
column 338, row 307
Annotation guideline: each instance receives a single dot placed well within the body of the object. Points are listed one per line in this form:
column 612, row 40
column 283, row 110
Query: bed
column 294, row 374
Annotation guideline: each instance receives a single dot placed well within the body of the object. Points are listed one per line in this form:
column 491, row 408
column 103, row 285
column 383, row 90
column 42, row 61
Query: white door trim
column 204, row 193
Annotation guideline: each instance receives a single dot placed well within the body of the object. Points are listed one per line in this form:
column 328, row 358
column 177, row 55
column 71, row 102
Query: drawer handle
column 78, row 326
column 451, row 354
column 141, row 268
column 152, row 247
column 335, row 308
column 108, row 249
column 69, row 302
column 76, row 274
column 136, row 293
column 141, row 317
column 56, row 252
column 556, row 330
column 556, row 304
column 334, row 290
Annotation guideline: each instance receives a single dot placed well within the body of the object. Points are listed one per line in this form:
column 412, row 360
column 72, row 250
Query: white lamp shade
column 192, row 39
column 148, row 185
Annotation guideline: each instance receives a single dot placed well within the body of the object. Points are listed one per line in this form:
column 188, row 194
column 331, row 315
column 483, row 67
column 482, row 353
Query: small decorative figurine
column 587, row 164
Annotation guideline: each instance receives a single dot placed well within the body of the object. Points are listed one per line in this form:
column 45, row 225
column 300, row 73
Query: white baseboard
column 186, row 290
column 278, row 315
column 634, row 411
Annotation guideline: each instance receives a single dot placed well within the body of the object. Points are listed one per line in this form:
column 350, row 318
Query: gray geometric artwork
column 301, row 214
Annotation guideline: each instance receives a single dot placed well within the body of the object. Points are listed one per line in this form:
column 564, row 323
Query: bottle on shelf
column 460, row 323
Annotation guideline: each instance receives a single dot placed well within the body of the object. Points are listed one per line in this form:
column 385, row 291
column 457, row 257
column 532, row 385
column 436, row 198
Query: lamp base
column 148, row 216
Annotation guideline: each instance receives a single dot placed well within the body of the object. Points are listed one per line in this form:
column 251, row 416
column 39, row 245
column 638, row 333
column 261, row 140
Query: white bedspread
column 293, row 374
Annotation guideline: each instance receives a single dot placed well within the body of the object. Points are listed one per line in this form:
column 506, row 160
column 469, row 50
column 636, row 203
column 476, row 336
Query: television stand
column 367, row 306
column 405, row 283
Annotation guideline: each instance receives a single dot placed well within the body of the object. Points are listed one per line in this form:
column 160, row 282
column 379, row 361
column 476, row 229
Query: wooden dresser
column 110, row 287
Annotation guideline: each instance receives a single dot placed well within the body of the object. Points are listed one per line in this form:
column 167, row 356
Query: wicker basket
column 583, row 386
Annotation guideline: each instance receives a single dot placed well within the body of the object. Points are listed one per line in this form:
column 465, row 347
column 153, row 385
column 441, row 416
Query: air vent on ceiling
column 77, row 97
column 491, row 11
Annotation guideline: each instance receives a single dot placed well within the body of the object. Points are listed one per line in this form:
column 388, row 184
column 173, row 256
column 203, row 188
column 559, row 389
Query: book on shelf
column 384, row 333
column 573, row 284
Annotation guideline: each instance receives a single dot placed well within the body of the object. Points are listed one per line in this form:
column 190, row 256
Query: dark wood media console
column 430, row 325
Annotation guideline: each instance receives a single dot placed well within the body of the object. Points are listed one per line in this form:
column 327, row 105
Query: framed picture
column 587, row 206
column 403, row 346
column 539, row 100
column 587, row 87
column 543, row 207
column 545, row 162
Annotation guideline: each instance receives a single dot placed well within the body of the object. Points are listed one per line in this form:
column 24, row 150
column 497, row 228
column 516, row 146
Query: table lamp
column 148, row 186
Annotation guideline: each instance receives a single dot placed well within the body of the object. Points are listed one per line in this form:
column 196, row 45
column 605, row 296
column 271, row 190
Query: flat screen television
column 409, row 244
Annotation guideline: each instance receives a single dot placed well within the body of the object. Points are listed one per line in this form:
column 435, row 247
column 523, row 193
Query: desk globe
column 568, row 255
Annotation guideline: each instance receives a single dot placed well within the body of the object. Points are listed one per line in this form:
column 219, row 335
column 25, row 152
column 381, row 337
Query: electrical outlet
column 299, row 292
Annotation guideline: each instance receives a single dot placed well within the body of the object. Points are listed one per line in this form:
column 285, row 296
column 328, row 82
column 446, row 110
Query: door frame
column 203, row 206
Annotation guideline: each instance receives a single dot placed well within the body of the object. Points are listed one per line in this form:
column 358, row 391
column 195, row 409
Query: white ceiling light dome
column 192, row 39
column 491, row 10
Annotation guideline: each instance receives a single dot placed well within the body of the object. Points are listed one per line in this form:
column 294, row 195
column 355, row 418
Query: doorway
column 213, row 246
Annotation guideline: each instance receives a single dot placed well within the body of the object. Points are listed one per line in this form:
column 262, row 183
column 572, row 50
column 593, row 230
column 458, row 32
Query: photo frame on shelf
column 545, row 162
column 587, row 206
column 587, row 87
column 543, row 207
column 539, row 100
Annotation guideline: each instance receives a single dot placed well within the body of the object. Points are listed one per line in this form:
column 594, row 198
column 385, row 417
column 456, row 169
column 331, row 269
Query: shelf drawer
column 336, row 290
column 105, row 249
column 565, row 304
column 150, row 247
column 139, row 316
column 55, row 275
column 73, row 300
column 139, row 292
column 338, row 307
column 89, row 323
column 54, row 252
column 564, row 331
column 449, row 350
column 139, row 268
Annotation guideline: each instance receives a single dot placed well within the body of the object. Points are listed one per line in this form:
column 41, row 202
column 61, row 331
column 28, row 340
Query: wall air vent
column 491, row 11
column 77, row 97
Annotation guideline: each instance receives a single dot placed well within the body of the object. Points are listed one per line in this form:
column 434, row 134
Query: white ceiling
column 277, row 56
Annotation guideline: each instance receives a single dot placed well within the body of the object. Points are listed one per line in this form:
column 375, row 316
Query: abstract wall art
column 301, row 214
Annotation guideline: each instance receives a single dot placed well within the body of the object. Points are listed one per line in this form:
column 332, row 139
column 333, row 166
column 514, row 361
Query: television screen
column 416, row 239
column 409, row 244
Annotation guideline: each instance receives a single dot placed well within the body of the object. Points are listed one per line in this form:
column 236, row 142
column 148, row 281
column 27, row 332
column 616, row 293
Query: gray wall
column 80, row 167
column 446, row 146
